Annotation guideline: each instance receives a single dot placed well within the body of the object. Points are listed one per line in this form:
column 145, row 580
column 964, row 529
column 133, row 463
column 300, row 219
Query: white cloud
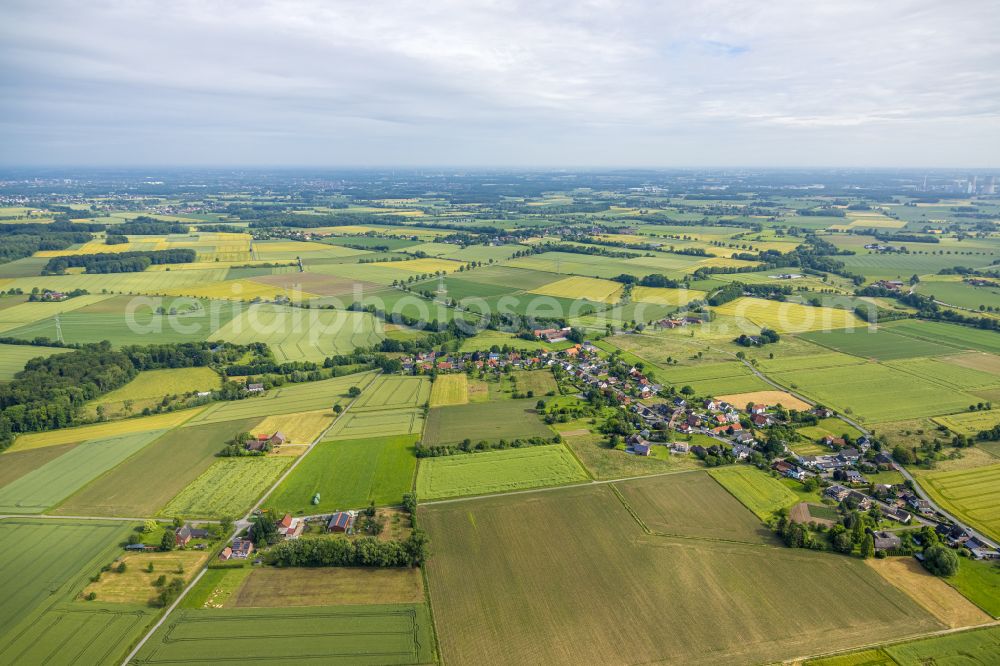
column 600, row 82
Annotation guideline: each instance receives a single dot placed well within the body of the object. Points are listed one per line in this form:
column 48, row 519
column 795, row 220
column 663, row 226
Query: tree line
column 118, row 262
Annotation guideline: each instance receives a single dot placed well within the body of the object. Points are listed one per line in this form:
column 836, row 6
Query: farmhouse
column 255, row 388
column 184, row 534
column 341, row 522
column 289, row 527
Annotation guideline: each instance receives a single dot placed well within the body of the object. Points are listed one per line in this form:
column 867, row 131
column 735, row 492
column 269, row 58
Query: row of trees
column 118, row 262
column 340, row 551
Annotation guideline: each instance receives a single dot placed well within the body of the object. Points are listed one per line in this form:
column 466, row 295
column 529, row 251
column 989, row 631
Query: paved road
column 905, row 472
column 244, row 522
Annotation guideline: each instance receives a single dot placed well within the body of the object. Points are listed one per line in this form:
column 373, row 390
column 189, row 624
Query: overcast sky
column 511, row 82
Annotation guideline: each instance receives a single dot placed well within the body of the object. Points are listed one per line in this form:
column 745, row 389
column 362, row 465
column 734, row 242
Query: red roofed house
column 342, row 521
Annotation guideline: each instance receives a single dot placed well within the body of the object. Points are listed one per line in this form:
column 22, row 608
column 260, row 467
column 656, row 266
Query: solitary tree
column 941, row 560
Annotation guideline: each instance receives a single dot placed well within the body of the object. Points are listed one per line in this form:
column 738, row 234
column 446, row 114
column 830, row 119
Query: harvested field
column 757, row 490
column 348, row 475
column 144, row 483
column 497, row 471
column 338, row 635
column 803, row 512
column 769, row 398
column 270, row 587
column 940, row 599
column 228, row 488
column 450, row 390
column 692, row 504
column 711, row 589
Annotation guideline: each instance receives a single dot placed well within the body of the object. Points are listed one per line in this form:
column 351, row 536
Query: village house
column 289, row 527
column 758, row 409
column 885, row 540
column 837, row 493
column 240, row 550
column 255, row 388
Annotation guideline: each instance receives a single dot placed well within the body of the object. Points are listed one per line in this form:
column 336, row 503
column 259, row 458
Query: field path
column 244, row 522
column 905, row 472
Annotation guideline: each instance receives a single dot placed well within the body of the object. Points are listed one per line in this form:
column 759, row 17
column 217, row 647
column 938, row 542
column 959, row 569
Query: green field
column 158, row 383
column 973, row 648
column 970, row 423
column 288, row 399
column 56, row 480
column 378, row 423
column 228, row 488
column 13, row 357
column 348, row 635
column 875, row 392
column 497, row 471
column 971, row 494
column 15, row 464
column 949, row 334
column 296, row 334
column 394, row 392
column 979, row 582
column 692, row 504
column 539, row 382
column 144, row 483
column 882, row 344
column 45, row 565
column 592, row 573
column 961, row 294
column 348, row 475
column 449, row 390
column 756, row 490
column 500, row 419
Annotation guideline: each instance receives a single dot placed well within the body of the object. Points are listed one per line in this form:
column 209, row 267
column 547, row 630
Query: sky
column 539, row 83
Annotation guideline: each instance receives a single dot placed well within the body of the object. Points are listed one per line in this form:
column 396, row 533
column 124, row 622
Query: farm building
column 184, row 534
column 342, row 521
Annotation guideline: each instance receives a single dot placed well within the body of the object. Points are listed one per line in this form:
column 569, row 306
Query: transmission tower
column 59, row 335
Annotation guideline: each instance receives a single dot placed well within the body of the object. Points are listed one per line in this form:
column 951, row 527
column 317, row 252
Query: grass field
column 270, row 587
column 46, row 563
column 692, row 504
column 939, row 598
column 486, row 339
column 102, row 430
column 588, row 594
column 951, row 334
column 756, row 490
column 969, row 423
column 500, row 419
column 288, row 399
column 972, row 495
column 348, row 475
column 144, row 483
column 340, row 635
column 948, row 374
column 25, row 313
column 539, row 382
column 150, row 386
column 591, row 289
column 296, row 334
column 135, row 584
column 788, row 317
column 158, row 383
column 13, row 357
column 979, row 582
column 450, row 390
column 228, row 488
column 606, row 463
column 56, row 480
column 497, row 471
column 975, row 648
